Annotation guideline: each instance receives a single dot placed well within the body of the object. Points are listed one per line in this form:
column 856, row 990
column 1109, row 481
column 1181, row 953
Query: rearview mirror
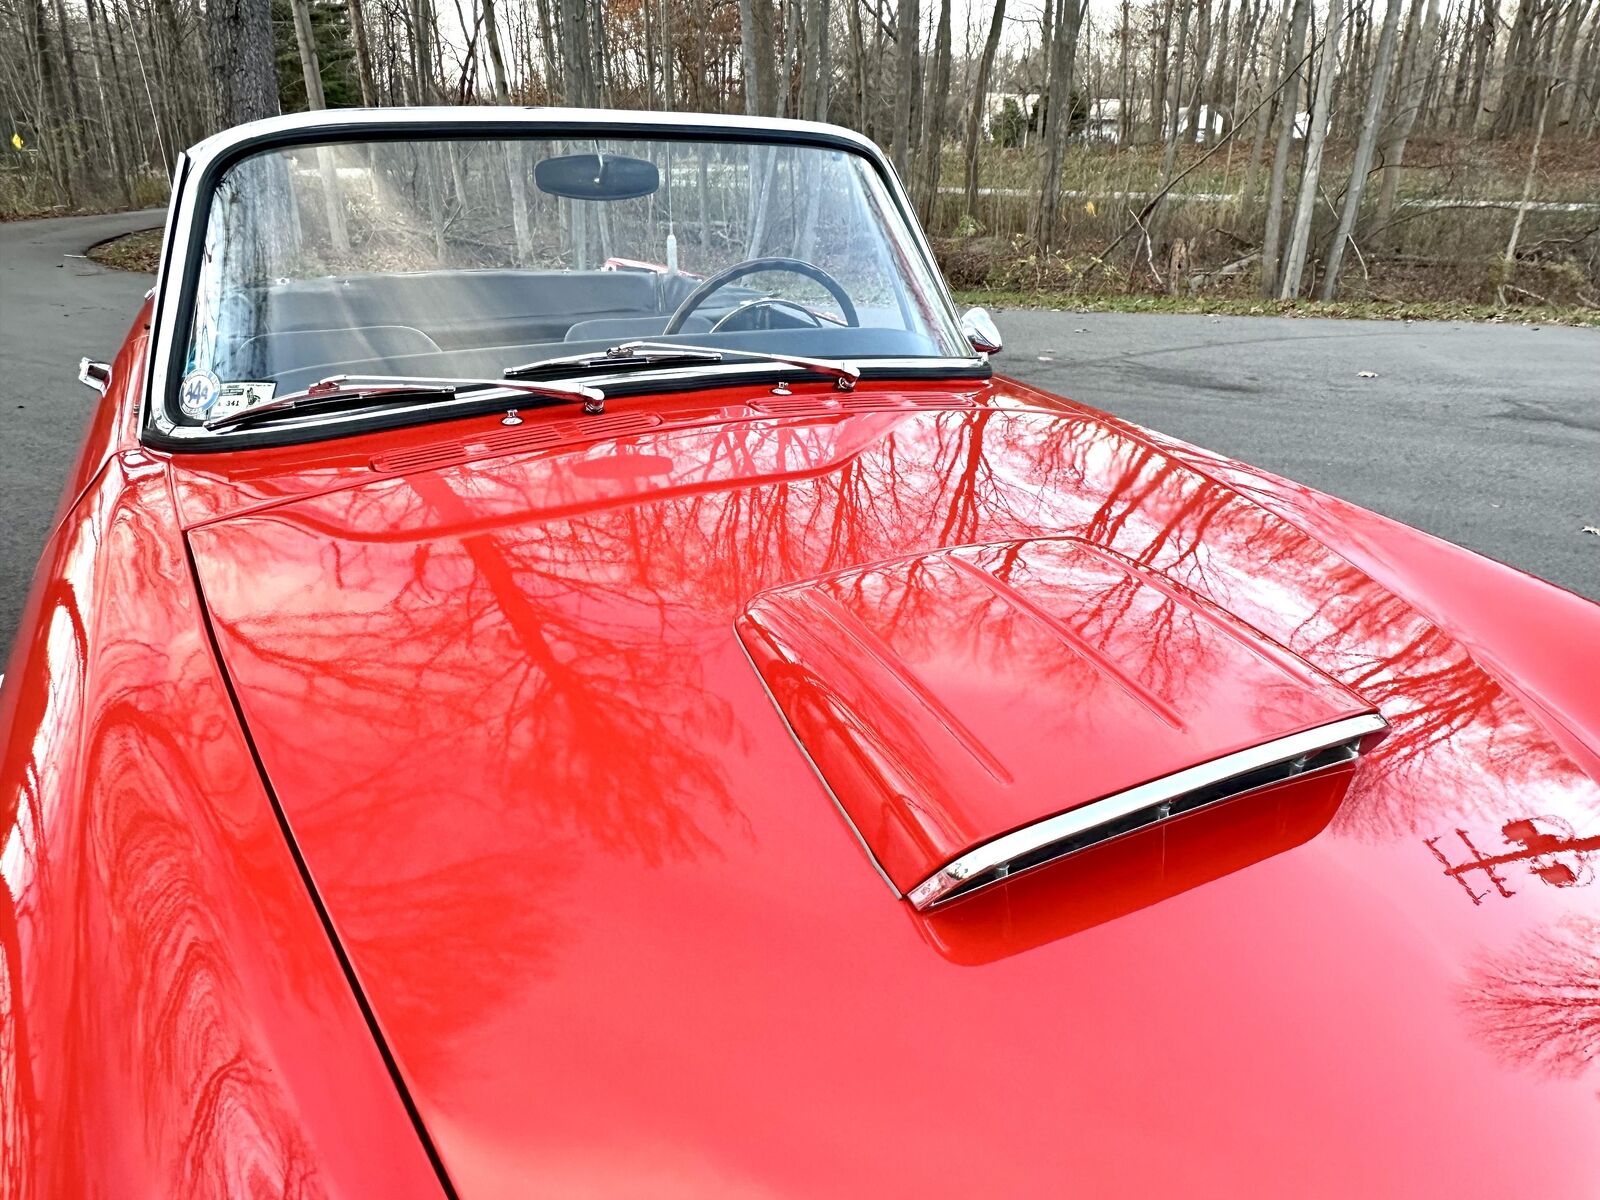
column 981, row 331
column 597, row 177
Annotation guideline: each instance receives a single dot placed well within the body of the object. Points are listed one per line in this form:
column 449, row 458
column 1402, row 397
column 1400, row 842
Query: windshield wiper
column 338, row 391
column 620, row 358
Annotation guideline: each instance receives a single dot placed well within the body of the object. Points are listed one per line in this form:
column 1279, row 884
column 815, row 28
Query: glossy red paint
column 174, row 1021
column 949, row 698
column 612, row 929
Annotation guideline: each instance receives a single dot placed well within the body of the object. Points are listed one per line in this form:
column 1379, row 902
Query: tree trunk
column 1306, row 206
column 1197, row 77
column 497, row 62
column 577, row 56
column 1509, row 264
column 1216, row 122
column 934, row 113
column 1408, row 103
column 818, row 75
column 907, row 25
column 1263, row 122
column 102, row 87
column 858, row 61
column 242, row 54
column 306, row 43
column 668, row 57
column 310, row 68
column 422, row 50
column 76, row 139
column 1288, row 109
column 980, row 94
column 1483, row 64
column 1161, row 56
column 1124, row 90
column 358, row 36
column 1371, row 120
column 1063, row 60
column 747, row 58
column 1170, row 154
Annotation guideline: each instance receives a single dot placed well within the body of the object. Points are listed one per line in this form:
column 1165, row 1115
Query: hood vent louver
column 1138, row 808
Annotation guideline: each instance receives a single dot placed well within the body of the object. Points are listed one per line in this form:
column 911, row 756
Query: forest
column 1280, row 150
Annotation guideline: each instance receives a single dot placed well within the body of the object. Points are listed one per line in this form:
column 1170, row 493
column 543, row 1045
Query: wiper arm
column 627, row 354
column 654, row 353
column 336, row 391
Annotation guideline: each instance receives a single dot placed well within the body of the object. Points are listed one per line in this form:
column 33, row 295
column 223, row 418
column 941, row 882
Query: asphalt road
column 1486, row 435
column 54, row 310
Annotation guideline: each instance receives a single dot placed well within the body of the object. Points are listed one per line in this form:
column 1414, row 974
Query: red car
column 561, row 672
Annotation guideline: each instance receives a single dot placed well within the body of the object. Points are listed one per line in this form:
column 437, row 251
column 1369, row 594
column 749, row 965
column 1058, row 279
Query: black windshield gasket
column 334, row 426
column 165, row 362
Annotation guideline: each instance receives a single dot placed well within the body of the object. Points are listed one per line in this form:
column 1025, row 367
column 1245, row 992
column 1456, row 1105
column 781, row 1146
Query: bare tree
column 305, row 40
column 1058, row 104
column 1294, row 61
column 1414, row 67
column 934, row 112
column 1509, row 262
column 905, row 76
column 1371, row 121
column 1321, row 111
column 980, row 97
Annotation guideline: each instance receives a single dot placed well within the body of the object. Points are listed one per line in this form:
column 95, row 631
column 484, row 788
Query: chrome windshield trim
column 993, row 855
column 381, row 387
column 612, row 386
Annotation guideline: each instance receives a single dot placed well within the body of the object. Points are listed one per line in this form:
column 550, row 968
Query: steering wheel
column 794, row 266
column 815, row 316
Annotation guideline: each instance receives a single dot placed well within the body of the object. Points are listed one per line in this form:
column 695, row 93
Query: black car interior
column 474, row 323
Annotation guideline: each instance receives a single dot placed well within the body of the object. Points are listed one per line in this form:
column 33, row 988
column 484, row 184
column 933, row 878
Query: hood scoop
column 983, row 711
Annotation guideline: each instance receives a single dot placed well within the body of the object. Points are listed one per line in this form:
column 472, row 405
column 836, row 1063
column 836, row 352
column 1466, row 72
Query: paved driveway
column 1488, row 435
column 54, row 310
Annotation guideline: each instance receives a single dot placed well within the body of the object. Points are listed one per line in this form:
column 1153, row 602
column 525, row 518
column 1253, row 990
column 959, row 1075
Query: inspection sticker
column 197, row 393
column 232, row 397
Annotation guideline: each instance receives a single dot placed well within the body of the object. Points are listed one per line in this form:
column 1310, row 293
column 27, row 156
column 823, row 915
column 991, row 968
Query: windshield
column 463, row 258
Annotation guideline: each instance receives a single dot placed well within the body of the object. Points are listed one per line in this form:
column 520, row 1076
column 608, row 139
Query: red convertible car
column 561, row 671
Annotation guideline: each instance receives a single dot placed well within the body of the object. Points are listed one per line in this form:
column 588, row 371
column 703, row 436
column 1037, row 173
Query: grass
column 1359, row 310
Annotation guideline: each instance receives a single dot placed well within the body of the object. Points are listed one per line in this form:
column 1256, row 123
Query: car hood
column 592, row 868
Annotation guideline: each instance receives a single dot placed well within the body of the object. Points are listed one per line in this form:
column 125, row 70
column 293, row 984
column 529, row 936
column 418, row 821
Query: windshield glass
column 462, row 258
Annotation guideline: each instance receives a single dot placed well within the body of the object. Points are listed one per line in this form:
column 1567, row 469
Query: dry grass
column 1363, row 310
column 1425, row 254
column 132, row 252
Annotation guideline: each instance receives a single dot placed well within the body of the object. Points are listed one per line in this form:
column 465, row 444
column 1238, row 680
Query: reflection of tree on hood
column 1538, row 1004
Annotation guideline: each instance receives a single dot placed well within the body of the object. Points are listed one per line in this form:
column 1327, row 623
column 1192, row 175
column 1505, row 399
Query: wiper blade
column 337, row 391
column 657, row 353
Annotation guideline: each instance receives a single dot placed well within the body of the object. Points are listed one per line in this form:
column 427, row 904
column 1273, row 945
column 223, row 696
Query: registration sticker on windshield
column 197, row 393
column 232, row 397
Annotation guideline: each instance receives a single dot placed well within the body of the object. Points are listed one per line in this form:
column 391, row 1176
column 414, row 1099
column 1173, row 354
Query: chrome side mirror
column 94, row 374
column 981, row 331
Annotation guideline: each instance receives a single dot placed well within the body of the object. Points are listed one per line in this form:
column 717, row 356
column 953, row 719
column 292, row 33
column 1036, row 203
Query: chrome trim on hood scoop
column 1195, row 787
